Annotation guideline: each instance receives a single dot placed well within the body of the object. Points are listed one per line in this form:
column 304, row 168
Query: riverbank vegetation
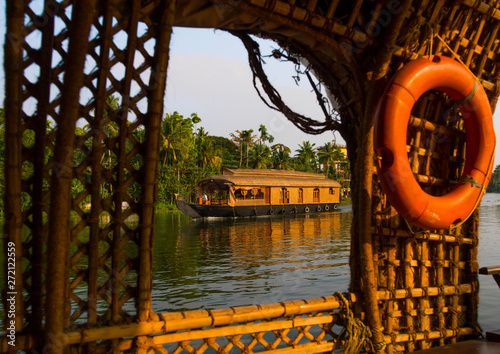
column 189, row 153
column 494, row 185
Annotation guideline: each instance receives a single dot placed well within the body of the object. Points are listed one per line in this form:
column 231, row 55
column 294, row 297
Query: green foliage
column 260, row 157
column 329, row 155
column 306, row 157
column 494, row 185
column 188, row 154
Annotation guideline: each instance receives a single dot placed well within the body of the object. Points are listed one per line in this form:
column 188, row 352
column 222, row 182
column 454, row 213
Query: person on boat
column 204, row 198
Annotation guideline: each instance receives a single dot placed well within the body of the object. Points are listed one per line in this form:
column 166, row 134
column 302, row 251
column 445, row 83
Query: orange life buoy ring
column 393, row 113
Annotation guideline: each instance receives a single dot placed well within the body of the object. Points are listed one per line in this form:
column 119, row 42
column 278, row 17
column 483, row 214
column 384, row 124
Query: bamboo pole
column 290, row 311
column 408, row 283
column 120, row 190
column 365, row 175
column 354, row 13
column 483, row 7
column 155, row 113
column 284, row 9
column 13, row 65
column 27, row 343
column 423, row 236
column 39, row 200
column 97, row 126
column 60, row 201
column 456, row 282
column 423, row 303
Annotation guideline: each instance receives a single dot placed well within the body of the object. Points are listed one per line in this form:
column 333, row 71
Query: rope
column 456, row 56
column 355, row 333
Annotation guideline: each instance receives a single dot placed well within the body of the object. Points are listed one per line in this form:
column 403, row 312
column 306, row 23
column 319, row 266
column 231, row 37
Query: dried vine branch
column 305, row 124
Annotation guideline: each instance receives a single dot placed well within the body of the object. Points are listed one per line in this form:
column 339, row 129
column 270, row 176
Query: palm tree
column 238, row 141
column 208, row 154
column 264, row 135
column 177, row 134
column 195, row 119
column 201, row 133
column 248, row 139
column 260, row 157
column 329, row 154
column 281, row 147
column 281, row 157
column 307, row 155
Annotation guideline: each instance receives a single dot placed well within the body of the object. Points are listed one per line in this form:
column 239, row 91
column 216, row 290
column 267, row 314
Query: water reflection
column 488, row 251
column 213, row 264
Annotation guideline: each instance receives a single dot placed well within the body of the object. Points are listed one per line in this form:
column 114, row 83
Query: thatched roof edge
column 270, row 181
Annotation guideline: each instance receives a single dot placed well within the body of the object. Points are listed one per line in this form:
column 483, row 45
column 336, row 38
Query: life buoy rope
column 395, row 174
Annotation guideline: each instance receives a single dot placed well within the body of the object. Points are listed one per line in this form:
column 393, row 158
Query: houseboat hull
column 204, row 211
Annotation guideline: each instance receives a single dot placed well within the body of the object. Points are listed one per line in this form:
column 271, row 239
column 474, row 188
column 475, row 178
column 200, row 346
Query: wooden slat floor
column 479, row 346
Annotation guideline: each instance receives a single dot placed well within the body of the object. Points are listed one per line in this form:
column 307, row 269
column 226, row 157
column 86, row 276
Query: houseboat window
column 301, row 195
column 246, row 194
column 284, row 196
column 332, row 191
column 316, row 195
column 242, row 194
column 257, row 193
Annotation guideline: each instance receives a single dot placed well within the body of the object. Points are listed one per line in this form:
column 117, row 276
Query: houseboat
column 247, row 192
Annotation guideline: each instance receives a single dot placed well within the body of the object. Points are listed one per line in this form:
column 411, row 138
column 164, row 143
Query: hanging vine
column 274, row 99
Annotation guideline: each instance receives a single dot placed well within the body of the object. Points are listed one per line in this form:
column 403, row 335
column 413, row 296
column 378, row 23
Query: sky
column 209, row 75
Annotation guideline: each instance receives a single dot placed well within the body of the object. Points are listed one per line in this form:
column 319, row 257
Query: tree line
column 494, row 185
column 188, row 154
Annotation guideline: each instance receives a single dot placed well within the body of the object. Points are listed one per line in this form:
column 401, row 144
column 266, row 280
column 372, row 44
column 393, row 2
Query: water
column 489, row 255
column 222, row 263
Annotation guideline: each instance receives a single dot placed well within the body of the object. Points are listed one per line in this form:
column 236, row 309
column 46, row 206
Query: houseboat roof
column 270, row 178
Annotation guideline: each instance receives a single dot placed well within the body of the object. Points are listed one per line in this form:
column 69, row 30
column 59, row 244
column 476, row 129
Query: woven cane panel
column 102, row 280
column 120, row 131
column 232, row 331
column 409, row 257
column 40, row 101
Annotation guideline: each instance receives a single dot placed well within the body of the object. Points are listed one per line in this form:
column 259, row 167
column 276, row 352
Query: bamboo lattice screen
column 85, row 282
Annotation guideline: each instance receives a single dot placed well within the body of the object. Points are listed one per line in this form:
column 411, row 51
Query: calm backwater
column 489, row 255
column 226, row 262
column 222, row 263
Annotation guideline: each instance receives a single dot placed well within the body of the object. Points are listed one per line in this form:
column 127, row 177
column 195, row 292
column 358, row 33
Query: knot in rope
column 355, row 333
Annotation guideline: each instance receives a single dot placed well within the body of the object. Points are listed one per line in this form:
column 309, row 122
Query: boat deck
column 477, row 346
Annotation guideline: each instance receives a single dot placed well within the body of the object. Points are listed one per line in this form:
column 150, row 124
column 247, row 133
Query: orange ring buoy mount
column 393, row 113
